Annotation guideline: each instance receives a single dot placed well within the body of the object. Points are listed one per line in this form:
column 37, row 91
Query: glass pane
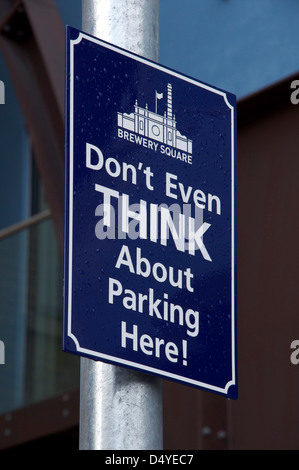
column 31, row 292
column 12, row 319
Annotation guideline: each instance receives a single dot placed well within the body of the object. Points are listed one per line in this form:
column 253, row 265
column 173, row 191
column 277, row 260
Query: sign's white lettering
column 187, row 233
column 176, row 277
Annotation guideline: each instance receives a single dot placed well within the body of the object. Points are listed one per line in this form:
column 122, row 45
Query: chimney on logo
column 169, row 101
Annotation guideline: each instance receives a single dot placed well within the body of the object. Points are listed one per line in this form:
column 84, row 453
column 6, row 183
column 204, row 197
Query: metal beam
column 24, row 224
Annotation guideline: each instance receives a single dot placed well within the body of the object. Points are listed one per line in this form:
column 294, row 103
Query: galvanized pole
column 121, row 409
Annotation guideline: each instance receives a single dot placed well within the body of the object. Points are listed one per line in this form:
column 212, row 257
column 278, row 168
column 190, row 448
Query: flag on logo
column 158, row 97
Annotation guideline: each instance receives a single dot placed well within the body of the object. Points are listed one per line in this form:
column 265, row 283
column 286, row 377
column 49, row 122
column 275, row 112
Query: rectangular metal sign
column 149, row 280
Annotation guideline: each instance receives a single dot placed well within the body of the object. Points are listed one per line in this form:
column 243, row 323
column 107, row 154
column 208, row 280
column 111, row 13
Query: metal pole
column 121, row 409
column 131, row 24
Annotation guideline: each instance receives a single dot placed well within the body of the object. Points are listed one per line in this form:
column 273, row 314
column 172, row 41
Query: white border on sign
column 102, row 356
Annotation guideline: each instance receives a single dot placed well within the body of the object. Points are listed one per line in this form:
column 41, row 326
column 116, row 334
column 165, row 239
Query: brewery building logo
column 155, row 131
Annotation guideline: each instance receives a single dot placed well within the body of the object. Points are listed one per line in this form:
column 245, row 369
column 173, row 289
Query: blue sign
column 149, row 217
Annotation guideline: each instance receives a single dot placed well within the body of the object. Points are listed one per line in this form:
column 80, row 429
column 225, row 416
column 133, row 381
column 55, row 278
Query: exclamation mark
column 184, row 344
